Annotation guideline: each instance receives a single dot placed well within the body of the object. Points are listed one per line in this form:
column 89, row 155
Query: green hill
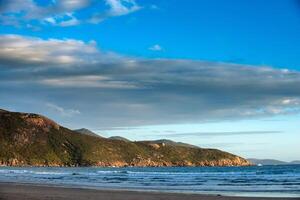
column 119, row 138
column 170, row 142
column 33, row 140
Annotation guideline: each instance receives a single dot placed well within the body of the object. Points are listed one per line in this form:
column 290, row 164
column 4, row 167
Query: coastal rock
column 40, row 121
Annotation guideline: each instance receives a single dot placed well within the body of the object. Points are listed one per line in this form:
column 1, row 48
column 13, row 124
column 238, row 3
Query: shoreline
column 26, row 191
column 126, row 165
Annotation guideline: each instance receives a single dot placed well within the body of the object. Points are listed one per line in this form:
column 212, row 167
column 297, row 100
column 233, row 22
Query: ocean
column 271, row 181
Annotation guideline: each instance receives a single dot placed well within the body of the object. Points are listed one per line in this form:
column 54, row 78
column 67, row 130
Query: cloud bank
column 116, row 90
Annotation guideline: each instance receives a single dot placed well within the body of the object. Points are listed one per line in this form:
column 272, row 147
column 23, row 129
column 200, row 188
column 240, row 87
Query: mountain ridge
column 119, row 138
column 86, row 131
column 272, row 162
column 28, row 139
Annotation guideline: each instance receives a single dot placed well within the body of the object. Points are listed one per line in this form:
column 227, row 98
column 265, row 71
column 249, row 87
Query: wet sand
column 12, row 191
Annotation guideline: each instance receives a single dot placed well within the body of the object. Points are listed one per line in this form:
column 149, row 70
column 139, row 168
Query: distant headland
column 28, row 139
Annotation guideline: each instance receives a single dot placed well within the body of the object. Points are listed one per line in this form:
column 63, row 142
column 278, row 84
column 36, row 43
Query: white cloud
column 72, row 5
column 290, row 101
column 116, row 8
column 34, row 51
column 28, row 11
column 50, row 20
column 156, row 47
column 121, row 7
column 62, row 111
column 68, row 19
column 70, row 22
column 89, row 81
column 60, row 13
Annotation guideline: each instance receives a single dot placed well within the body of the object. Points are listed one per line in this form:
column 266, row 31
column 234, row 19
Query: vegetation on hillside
column 31, row 139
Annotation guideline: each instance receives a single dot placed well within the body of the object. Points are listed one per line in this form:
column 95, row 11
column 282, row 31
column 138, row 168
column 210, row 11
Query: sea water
column 275, row 181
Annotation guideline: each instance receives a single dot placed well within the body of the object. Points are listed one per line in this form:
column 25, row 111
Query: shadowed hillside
column 86, row 132
column 31, row 139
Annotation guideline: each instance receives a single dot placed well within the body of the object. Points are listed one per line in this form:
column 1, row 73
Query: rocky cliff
column 33, row 140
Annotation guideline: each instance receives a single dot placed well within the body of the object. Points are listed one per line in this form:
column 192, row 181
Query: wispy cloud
column 230, row 145
column 116, row 8
column 28, row 13
column 62, row 111
column 221, row 133
column 156, row 47
column 88, row 81
column 138, row 91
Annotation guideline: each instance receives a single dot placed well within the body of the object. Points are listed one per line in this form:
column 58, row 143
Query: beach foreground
column 11, row 191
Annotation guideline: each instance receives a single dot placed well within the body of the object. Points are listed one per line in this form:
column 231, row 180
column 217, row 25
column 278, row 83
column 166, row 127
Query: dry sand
column 10, row 191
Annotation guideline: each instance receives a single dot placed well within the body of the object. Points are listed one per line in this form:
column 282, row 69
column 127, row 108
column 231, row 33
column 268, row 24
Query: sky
column 217, row 74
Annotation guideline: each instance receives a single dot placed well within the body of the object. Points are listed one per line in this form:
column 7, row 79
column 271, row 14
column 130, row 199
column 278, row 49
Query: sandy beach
column 12, row 191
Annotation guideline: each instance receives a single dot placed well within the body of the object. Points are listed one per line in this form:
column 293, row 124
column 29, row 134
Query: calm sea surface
column 240, row 181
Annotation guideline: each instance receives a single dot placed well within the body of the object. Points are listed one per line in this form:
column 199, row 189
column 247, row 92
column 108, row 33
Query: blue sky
column 219, row 74
column 251, row 32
